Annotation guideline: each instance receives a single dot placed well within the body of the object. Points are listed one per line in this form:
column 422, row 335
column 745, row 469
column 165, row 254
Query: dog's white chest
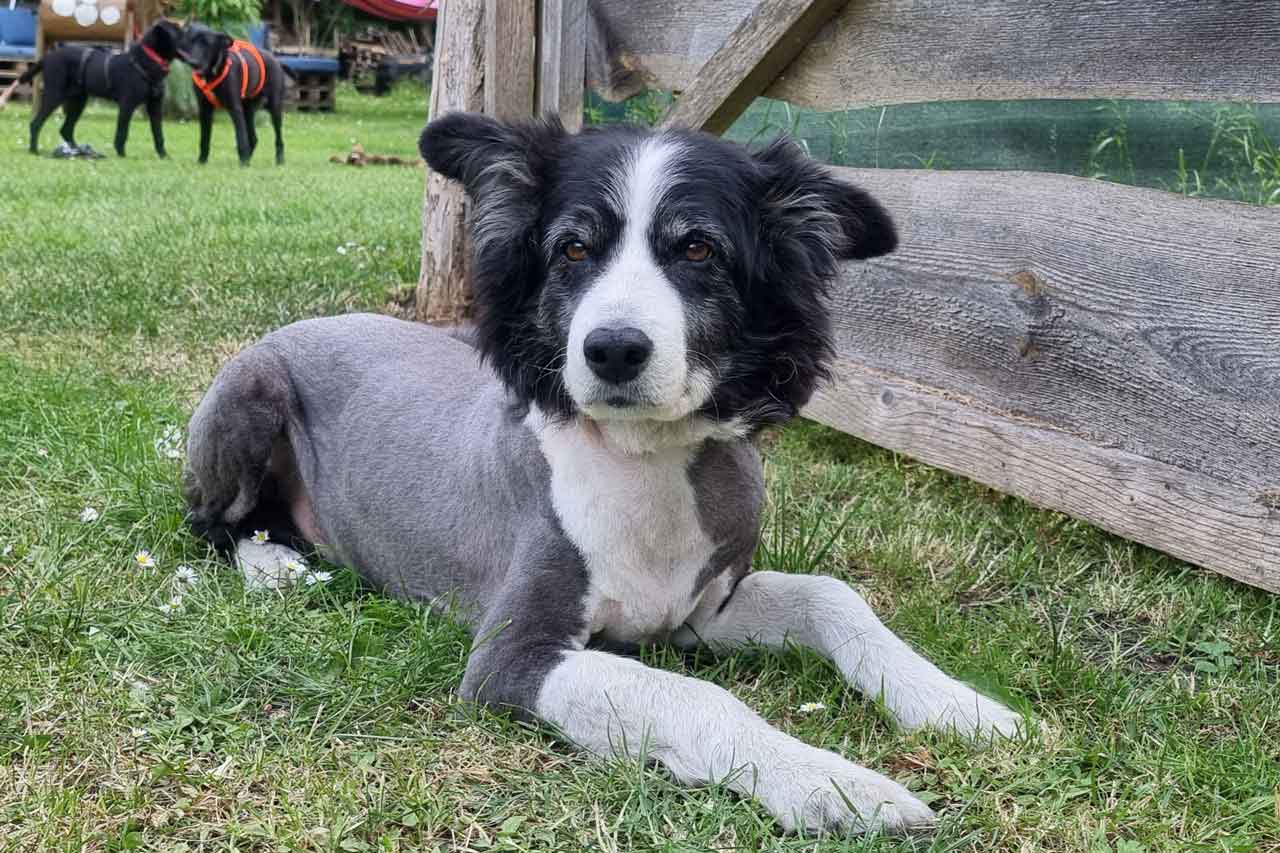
column 635, row 521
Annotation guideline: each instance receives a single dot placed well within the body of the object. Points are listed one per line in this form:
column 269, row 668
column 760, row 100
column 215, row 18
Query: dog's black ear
column 503, row 168
column 467, row 147
column 810, row 210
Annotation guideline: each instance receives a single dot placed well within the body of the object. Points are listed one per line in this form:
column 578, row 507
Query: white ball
column 86, row 16
column 110, row 15
column 64, row 8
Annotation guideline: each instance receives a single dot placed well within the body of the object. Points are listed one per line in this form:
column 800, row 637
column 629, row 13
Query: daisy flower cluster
column 184, row 579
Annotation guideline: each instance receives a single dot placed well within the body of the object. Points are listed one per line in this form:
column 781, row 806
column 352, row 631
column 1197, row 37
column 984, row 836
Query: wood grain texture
column 562, row 55
column 1188, row 514
column 510, row 39
column 1127, row 319
column 442, row 295
column 764, row 43
column 904, row 51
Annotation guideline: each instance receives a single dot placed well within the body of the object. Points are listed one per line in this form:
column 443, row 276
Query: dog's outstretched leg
column 826, row 615
column 529, row 655
column 612, row 705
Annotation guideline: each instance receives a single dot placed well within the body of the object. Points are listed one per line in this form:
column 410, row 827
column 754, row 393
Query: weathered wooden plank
column 764, row 43
column 510, row 37
column 457, row 84
column 904, row 51
column 1133, row 320
column 1184, row 513
column 562, row 53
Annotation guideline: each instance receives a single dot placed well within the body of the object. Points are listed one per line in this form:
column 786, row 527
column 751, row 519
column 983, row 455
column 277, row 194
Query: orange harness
column 240, row 50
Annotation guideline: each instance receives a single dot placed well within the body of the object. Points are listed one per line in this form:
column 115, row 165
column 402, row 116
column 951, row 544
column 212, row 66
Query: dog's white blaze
column 634, row 519
column 633, row 291
column 615, row 706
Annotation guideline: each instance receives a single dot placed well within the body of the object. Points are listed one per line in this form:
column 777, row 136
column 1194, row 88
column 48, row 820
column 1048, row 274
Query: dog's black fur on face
column 208, row 51
column 73, row 74
column 776, row 224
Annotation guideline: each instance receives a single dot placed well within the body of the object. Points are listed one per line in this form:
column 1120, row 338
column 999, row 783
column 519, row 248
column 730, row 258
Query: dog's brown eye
column 697, row 250
column 576, row 251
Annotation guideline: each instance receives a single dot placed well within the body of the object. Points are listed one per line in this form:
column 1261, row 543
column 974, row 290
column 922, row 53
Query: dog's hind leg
column 826, row 615
column 48, row 104
column 241, row 480
column 71, row 111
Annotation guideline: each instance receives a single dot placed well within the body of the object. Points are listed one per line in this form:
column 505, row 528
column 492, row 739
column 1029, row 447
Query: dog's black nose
column 617, row 355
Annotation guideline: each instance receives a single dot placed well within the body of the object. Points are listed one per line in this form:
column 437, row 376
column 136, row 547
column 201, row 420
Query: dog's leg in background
column 826, row 615
column 275, row 106
column 47, row 105
column 71, row 111
column 122, row 125
column 251, row 128
column 206, row 126
column 236, row 110
column 155, row 112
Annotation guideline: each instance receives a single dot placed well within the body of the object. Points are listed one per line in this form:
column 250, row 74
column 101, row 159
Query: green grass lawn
column 323, row 718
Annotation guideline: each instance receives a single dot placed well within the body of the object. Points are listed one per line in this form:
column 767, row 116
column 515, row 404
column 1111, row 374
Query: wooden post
column 510, row 33
column 562, row 60
column 753, row 55
column 457, row 84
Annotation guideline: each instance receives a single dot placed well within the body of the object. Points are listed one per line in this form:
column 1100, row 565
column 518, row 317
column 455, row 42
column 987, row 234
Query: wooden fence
column 1106, row 351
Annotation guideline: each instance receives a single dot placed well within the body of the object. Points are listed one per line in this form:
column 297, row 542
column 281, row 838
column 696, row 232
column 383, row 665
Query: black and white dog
column 73, row 73
column 646, row 302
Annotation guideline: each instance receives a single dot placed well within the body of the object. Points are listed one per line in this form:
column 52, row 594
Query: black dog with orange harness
column 238, row 77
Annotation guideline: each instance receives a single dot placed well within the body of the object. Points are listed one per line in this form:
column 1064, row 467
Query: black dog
column 236, row 76
column 132, row 78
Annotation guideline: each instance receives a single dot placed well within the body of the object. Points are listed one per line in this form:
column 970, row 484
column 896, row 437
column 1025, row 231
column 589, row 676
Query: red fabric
column 156, row 58
column 398, row 10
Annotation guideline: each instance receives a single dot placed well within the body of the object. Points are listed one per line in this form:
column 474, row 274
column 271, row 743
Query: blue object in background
column 17, row 34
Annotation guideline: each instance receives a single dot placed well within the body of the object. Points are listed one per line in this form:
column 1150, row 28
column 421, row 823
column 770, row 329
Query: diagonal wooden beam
column 753, row 55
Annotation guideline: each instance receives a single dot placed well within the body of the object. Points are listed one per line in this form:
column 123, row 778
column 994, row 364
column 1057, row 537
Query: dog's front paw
column 959, row 708
column 267, row 565
column 818, row 792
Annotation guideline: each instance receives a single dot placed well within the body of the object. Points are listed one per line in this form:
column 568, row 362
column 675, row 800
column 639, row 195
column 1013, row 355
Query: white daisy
column 186, row 574
column 172, row 606
column 144, row 559
column 811, row 707
column 138, row 733
column 88, row 515
column 314, row 578
column 261, row 537
column 297, row 569
column 42, row 452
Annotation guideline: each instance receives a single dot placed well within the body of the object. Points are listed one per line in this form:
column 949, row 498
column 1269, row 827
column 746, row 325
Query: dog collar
column 156, row 58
